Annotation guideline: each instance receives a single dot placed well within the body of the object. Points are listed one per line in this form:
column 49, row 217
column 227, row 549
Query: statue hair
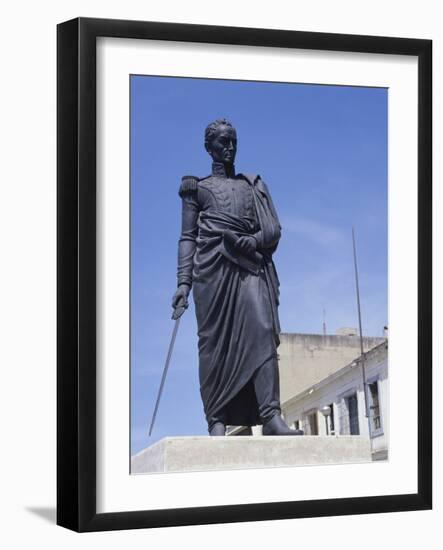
column 212, row 128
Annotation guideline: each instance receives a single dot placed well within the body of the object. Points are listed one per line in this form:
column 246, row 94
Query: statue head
column 221, row 141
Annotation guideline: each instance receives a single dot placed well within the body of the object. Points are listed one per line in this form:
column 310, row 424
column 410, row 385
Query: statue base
column 203, row 453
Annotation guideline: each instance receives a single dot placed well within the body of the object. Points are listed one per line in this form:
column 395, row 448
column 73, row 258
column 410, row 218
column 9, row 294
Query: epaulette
column 188, row 185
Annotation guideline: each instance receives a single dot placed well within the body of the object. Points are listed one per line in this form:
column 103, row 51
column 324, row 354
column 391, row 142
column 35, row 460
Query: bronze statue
column 230, row 230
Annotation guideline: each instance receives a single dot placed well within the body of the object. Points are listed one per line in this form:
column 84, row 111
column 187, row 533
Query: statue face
column 223, row 146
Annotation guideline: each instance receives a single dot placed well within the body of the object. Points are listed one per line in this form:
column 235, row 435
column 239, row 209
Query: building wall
column 333, row 389
column 305, row 359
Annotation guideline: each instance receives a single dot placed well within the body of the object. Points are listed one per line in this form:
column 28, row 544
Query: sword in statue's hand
column 176, row 315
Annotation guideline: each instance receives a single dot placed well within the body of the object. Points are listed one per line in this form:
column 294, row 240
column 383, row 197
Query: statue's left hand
column 246, row 244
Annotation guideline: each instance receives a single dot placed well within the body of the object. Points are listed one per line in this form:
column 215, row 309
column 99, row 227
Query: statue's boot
column 218, row 429
column 277, row 426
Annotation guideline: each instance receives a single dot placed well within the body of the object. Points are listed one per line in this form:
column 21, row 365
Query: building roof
column 306, row 359
column 372, row 353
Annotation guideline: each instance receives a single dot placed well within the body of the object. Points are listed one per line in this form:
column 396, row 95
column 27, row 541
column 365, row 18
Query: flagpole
column 363, row 369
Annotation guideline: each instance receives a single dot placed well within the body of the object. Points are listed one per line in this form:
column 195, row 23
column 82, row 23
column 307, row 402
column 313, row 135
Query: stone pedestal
column 202, row 453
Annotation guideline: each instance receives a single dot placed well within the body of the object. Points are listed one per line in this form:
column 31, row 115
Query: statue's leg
column 217, row 424
column 217, row 429
column 267, row 391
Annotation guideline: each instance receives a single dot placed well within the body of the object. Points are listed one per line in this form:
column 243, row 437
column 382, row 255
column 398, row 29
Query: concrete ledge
column 202, row 453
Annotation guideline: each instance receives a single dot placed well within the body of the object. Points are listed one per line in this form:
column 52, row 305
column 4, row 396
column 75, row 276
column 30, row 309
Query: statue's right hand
column 247, row 244
column 180, row 297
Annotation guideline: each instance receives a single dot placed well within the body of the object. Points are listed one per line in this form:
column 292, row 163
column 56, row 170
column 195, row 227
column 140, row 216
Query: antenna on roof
column 324, row 322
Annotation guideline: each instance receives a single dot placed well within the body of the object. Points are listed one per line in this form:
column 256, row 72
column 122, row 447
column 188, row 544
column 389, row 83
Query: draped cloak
column 236, row 297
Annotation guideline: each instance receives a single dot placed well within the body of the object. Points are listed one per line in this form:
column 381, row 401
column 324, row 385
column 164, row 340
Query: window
column 311, row 424
column 296, row 425
column 374, row 408
column 331, row 420
column 349, row 415
column 353, row 414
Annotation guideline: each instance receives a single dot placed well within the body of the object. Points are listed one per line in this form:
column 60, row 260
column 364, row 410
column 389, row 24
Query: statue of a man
column 230, row 230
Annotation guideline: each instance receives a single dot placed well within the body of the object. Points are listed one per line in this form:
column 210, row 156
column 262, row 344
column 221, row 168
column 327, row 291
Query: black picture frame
column 76, row 274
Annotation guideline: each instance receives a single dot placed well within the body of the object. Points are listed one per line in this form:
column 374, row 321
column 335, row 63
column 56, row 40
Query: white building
column 341, row 393
column 318, row 371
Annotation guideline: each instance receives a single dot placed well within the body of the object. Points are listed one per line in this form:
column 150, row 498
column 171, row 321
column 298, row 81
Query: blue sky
column 322, row 150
